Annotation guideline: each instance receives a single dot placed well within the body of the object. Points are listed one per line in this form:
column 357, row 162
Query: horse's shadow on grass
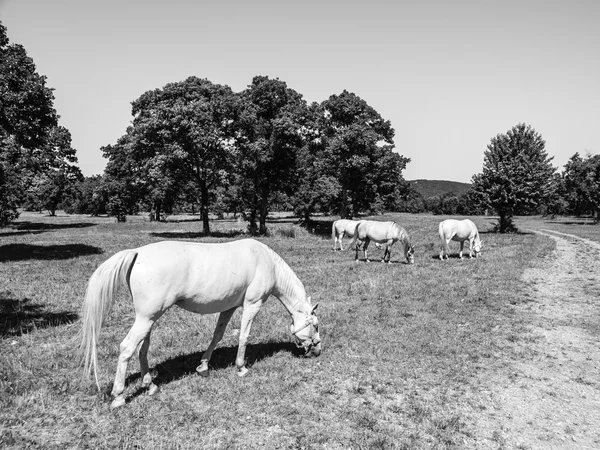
column 18, row 317
column 378, row 261
column 22, row 252
column 450, row 256
column 222, row 358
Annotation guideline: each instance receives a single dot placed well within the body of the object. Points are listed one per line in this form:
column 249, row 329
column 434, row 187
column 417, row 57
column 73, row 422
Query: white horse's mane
column 287, row 282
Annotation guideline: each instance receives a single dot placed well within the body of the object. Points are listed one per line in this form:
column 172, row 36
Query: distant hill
column 429, row 188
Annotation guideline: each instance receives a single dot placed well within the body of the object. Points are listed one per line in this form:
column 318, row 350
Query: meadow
column 409, row 352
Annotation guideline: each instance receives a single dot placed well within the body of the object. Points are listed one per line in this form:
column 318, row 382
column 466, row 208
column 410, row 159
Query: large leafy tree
column 273, row 125
column 517, row 176
column 26, row 117
column 53, row 171
column 581, row 185
column 357, row 144
column 181, row 138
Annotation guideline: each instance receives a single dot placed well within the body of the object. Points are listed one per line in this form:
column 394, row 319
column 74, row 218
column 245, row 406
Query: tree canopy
column 36, row 157
column 517, row 175
column 581, row 185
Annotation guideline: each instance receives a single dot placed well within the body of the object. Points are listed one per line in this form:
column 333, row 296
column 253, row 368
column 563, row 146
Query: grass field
column 408, row 351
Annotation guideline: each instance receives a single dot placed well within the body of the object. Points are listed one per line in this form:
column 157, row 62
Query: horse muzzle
column 313, row 351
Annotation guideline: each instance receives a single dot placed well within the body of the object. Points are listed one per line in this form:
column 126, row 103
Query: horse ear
column 314, row 308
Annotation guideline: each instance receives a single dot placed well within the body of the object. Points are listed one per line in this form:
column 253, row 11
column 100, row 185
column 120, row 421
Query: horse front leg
column 358, row 242
column 471, row 248
column 222, row 322
column 462, row 245
column 250, row 311
column 138, row 332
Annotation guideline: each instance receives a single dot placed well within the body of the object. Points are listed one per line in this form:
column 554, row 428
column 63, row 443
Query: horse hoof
column 153, row 389
column 242, row 371
column 202, row 369
column 117, row 402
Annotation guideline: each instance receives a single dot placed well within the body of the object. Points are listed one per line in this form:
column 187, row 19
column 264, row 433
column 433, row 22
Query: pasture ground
column 496, row 352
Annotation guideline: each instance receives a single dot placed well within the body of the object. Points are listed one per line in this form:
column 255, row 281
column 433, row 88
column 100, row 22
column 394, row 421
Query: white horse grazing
column 385, row 234
column 341, row 228
column 201, row 278
column 459, row 231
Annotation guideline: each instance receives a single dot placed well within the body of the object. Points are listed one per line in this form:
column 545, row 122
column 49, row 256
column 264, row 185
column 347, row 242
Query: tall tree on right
column 518, row 176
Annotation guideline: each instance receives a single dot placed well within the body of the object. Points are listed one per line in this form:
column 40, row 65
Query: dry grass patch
column 404, row 363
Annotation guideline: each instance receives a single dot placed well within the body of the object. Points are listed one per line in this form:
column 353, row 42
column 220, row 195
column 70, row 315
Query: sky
column 448, row 75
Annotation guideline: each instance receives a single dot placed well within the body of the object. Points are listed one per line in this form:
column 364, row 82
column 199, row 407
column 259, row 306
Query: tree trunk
column 204, row 207
column 344, row 212
column 253, row 228
column 506, row 223
column 155, row 215
column 264, row 212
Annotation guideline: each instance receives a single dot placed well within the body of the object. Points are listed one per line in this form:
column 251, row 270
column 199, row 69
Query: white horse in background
column 385, row 234
column 459, row 231
column 341, row 228
column 200, row 278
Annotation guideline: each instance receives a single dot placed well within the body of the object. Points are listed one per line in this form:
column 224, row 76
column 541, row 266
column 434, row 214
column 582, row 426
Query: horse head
column 305, row 330
column 477, row 247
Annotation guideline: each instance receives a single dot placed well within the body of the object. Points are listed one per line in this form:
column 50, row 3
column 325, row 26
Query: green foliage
column 53, row 173
column 180, row 144
column 37, row 163
column 517, row 177
column 351, row 153
column 268, row 152
column 87, row 197
column 581, row 185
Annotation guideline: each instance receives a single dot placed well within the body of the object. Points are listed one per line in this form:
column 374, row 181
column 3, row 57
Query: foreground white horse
column 201, row 278
column 459, row 231
column 341, row 228
column 384, row 234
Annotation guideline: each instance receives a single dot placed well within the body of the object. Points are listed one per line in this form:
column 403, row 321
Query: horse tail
column 333, row 233
column 99, row 297
column 354, row 238
column 445, row 247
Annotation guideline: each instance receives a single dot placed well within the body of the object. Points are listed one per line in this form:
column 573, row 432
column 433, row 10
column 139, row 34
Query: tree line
column 197, row 146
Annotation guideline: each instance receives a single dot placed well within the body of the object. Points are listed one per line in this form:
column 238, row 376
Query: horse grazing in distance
column 385, row 234
column 459, row 231
column 341, row 228
column 200, row 278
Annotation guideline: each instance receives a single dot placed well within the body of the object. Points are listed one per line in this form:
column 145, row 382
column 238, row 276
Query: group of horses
column 219, row 278
column 386, row 234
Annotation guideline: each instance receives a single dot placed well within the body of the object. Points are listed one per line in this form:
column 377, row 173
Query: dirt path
column 552, row 400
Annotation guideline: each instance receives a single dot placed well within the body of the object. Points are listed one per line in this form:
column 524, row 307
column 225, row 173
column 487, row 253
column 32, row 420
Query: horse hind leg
column 365, row 247
column 387, row 252
column 138, row 333
column 144, row 367
column 222, row 322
